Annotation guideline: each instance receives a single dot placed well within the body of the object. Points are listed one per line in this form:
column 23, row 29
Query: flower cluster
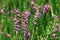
column 17, row 21
column 10, row 12
column 54, row 35
column 25, row 24
column 54, row 31
column 46, row 8
column 37, row 14
column 33, row 6
column 3, row 9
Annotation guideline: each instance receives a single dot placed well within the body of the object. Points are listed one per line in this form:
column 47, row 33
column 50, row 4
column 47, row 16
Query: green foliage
column 44, row 26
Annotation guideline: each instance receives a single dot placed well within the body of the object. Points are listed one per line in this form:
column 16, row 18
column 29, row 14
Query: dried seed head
column 25, row 24
column 44, row 38
column 47, row 6
column 32, row 2
column 58, row 25
column 54, row 17
column 27, row 36
column 37, row 14
column 54, row 35
column 17, row 21
column 27, row 13
column 34, row 7
column 35, row 23
column 0, row 32
column 8, row 35
column 55, row 30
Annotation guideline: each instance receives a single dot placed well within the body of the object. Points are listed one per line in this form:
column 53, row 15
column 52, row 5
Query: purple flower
column 17, row 21
column 37, row 14
column 10, row 12
column 0, row 31
column 8, row 35
column 32, row 5
column 3, row 9
column 54, row 35
column 27, row 35
column 4, row 6
column 46, row 8
column 25, row 24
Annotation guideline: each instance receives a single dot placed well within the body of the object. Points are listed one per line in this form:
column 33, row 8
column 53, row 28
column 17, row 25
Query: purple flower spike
column 46, row 8
column 27, row 13
column 3, row 9
column 39, row 6
column 9, row 12
column 44, row 11
column 17, row 21
column 33, row 7
column 27, row 35
column 37, row 14
column 17, row 11
column 25, row 24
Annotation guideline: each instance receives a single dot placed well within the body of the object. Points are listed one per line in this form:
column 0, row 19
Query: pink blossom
column 2, row 11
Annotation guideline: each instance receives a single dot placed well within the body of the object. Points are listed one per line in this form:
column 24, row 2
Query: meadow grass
column 45, row 24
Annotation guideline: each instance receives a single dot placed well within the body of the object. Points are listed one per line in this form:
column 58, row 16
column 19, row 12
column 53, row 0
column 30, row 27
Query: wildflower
column 37, row 14
column 32, row 2
column 25, row 24
column 3, row 9
column 17, row 21
column 27, row 35
column 4, row 16
column 54, row 16
column 10, row 12
column 46, row 8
